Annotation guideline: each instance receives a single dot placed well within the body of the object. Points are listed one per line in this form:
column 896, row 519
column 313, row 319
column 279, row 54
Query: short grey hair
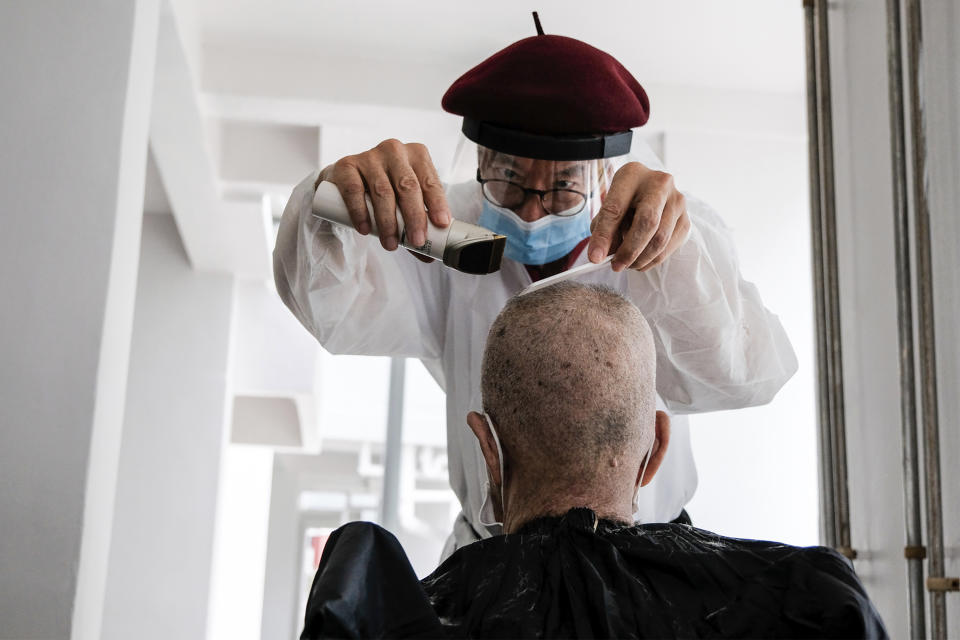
column 568, row 377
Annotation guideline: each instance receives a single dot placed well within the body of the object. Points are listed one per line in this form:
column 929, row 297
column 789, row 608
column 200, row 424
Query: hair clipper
column 461, row 246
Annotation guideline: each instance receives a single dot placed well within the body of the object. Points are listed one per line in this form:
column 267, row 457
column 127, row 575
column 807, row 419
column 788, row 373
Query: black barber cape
column 579, row 577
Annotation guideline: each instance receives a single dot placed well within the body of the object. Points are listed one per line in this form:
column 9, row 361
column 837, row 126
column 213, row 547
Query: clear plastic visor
column 557, row 187
column 562, row 187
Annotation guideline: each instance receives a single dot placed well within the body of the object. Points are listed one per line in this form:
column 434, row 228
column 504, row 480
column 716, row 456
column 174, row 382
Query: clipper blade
column 477, row 256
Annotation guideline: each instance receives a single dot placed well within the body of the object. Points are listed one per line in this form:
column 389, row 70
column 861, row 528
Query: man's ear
column 478, row 424
column 660, row 443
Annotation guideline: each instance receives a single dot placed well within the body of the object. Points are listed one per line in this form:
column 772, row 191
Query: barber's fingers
column 430, row 185
column 659, row 246
column 680, row 233
column 380, row 189
column 417, row 186
column 395, row 176
column 616, row 208
column 345, row 174
column 402, row 188
column 650, row 200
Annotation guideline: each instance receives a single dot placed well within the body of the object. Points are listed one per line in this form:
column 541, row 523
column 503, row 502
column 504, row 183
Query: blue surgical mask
column 538, row 242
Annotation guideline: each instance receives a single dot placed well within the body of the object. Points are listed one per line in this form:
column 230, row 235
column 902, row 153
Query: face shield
column 535, row 188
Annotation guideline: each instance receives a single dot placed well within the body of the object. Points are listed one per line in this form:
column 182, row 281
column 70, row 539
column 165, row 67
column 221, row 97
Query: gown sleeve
column 717, row 346
column 351, row 294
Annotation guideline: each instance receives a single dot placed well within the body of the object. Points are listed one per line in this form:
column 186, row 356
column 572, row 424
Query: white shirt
column 717, row 346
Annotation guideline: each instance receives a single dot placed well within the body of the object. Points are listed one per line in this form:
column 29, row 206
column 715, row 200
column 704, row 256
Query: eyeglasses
column 510, row 195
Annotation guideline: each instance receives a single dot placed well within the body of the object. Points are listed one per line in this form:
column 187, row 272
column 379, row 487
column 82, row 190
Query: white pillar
column 77, row 81
column 393, row 457
column 243, row 515
column 162, row 545
column 282, row 618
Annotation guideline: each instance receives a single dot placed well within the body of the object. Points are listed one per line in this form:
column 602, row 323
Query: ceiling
column 754, row 45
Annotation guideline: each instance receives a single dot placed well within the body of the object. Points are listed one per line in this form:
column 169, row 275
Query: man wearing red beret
column 552, row 118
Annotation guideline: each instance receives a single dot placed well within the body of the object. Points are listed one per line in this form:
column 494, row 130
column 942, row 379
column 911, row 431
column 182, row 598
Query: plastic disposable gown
column 579, row 577
column 717, row 346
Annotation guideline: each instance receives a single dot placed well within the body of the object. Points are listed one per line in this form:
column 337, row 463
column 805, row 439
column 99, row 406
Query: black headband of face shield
column 529, row 145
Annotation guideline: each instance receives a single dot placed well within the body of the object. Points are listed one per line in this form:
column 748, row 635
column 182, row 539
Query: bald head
column 568, row 379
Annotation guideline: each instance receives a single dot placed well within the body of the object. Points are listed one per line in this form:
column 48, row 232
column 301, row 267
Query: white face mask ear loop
column 643, row 472
column 486, row 515
column 646, row 460
column 496, row 439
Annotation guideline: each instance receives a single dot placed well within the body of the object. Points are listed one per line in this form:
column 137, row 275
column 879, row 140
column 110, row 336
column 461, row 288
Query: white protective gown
column 717, row 346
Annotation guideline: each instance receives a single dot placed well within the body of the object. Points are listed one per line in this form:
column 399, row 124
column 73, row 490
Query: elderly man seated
column 570, row 434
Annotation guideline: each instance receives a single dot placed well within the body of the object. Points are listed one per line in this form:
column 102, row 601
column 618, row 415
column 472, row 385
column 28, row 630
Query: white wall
column 424, row 407
column 865, row 243
column 162, row 543
column 758, row 466
column 942, row 89
column 76, row 81
column 868, row 303
column 273, row 353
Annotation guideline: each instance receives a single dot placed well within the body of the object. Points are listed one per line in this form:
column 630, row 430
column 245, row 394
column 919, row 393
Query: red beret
column 552, row 86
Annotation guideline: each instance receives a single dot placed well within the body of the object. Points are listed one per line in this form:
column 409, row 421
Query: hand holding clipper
column 461, row 246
